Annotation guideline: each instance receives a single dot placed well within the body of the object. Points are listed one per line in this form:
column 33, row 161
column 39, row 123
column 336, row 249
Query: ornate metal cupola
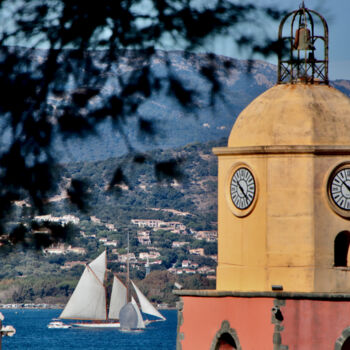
column 304, row 58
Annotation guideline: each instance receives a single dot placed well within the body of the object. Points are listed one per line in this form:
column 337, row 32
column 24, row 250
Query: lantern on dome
column 298, row 63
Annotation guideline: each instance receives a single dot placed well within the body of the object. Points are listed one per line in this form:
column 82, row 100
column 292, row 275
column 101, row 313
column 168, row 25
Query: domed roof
column 294, row 114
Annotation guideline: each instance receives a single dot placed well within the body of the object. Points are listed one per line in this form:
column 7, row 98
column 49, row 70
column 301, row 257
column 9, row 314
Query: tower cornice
column 283, row 149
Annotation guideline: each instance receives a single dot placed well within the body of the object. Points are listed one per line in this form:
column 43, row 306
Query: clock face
column 242, row 188
column 339, row 189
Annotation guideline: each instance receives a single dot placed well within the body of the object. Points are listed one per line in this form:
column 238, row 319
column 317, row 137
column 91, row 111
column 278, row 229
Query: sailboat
column 130, row 315
column 89, row 302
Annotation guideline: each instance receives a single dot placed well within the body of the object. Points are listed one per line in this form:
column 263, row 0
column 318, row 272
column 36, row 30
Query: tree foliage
column 65, row 93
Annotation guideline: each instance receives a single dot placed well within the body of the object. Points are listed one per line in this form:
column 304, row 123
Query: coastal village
column 146, row 259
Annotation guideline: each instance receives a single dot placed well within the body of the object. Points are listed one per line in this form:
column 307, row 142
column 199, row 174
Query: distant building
column 179, row 244
column 172, row 270
column 111, row 244
column 65, row 219
column 98, row 221
column 144, row 237
column 197, row 251
column 59, row 249
column 123, row 258
column 107, row 243
column 150, row 256
column 155, row 262
column 111, row 227
column 76, row 250
column 147, row 223
column 209, row 236
column 173, row 226
column 186, row 263
column 95, row 219
column 206, row 270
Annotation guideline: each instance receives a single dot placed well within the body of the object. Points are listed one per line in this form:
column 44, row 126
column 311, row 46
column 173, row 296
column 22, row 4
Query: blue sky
column 337, row 15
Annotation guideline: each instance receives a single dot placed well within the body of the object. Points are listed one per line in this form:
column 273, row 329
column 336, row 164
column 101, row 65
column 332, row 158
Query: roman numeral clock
column 242, row 190
column 339, row 190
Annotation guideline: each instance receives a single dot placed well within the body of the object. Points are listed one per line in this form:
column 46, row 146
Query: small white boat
column 58, row 325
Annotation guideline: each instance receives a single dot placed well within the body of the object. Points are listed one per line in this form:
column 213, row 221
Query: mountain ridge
column 212, row 116
column 176, row 126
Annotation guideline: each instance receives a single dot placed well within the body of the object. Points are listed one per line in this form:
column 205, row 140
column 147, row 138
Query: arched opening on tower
column 226, row 342
column 346, row 345
column 225, row 338
column 341, row 248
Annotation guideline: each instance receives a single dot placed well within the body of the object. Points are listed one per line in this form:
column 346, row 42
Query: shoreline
column 43, row 306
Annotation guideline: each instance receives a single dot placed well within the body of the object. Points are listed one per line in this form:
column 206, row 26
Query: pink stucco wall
column 314, row 324
column 250, row 317
column 307, row 324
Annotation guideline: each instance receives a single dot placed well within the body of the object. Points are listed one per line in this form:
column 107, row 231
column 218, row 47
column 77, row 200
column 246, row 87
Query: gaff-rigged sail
column 99, row 266
column 140, row 322
column 146, row 306
column 118, row 298
column 88, row 301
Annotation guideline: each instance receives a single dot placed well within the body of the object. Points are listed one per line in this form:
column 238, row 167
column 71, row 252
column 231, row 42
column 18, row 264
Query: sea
column 32, row 333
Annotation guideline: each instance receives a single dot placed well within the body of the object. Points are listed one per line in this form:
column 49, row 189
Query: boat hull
column 96, row 325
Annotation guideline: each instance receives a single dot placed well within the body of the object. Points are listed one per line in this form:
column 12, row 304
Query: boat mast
column 105, row 286
column 128, row 298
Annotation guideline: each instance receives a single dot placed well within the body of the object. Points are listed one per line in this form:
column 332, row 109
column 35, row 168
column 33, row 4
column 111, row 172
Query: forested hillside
column 193, row 190
column 33, row 276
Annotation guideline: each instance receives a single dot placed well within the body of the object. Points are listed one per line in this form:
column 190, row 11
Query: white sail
column 146, row 306
column 118, row 298
column 88, row 301
column 140, row 323
column 99, row 266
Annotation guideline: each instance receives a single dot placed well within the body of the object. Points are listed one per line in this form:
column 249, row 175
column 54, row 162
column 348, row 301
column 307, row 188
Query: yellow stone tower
column 283, row 277
column 284, row 179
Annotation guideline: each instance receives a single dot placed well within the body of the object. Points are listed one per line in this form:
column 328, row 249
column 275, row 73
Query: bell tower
column 284, row 178
column 304, row 49
column 283, row 275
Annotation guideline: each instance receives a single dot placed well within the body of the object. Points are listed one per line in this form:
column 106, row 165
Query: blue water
column 32, row 333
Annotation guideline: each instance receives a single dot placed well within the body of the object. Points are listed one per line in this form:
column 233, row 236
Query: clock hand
column 346, row 185
column 241, row 188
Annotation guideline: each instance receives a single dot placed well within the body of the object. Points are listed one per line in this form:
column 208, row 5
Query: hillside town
column 151, row 256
